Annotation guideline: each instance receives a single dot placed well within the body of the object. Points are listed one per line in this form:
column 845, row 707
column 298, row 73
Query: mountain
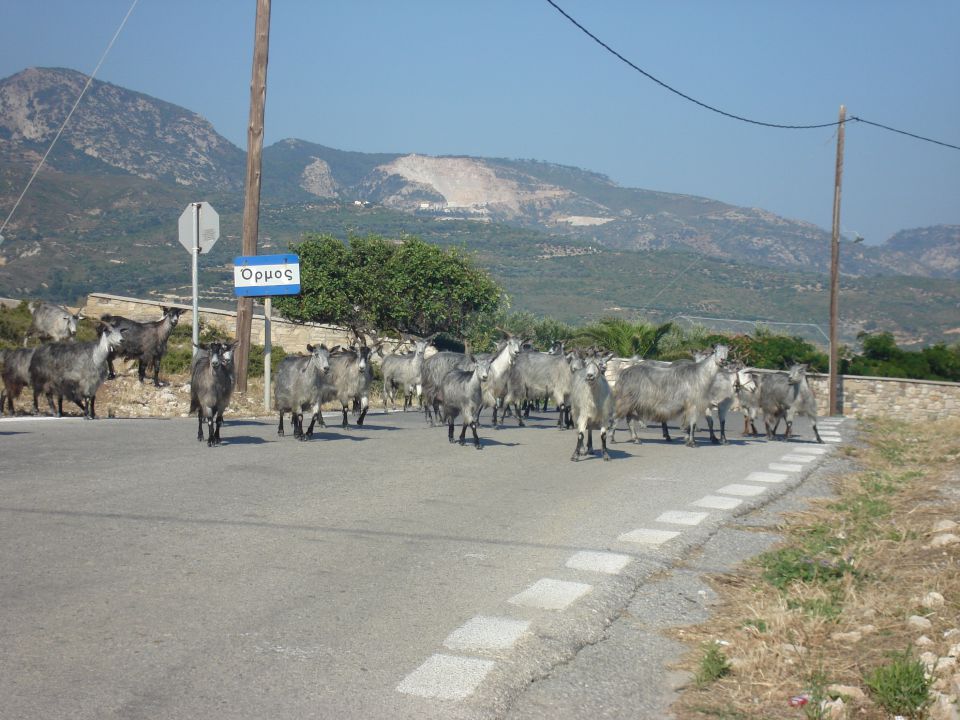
column 101, row 215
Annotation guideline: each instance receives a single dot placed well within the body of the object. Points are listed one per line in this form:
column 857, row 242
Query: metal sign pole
column 196, row 283
column 267, row 347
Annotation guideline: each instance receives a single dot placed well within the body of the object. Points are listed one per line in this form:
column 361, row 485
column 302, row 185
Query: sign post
column 265, row 276
column 199, row 229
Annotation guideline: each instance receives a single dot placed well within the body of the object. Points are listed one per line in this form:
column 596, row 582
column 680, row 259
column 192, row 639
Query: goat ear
column 310, row 348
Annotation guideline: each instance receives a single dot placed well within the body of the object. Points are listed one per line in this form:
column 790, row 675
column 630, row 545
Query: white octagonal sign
column 209, row 226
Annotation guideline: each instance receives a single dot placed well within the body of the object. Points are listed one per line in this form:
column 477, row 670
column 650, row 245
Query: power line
column 675, row 91
column 67, row 119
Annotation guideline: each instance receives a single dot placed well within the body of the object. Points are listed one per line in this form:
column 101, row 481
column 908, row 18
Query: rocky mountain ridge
column 121, row 132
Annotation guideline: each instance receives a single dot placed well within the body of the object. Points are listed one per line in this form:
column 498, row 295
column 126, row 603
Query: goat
column 784, row 396
column 212, row 377
column 749, row 397
column 728, row 386
column 535, row 374
column 145, row 342
column 651, row 392
column 403, row 371
column 51, row 322
column 348, row 380
column 297, row 386
column 461, row 394
column 16, row 375
column 73, row 370
column 431, row 379
column 591, row 406
column 500, row 363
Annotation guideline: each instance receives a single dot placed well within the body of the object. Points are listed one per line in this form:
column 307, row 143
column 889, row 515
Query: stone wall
column 292, row 337
column 911, row 400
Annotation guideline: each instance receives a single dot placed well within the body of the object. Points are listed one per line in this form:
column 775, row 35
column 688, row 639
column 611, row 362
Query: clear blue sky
column 513, row 78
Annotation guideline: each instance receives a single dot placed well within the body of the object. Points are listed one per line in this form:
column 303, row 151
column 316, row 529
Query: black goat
column 144, row 341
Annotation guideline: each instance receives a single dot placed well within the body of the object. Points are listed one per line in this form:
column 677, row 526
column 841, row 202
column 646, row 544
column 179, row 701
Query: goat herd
column 448, row 385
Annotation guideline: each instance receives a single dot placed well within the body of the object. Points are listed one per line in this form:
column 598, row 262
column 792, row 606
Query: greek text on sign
column 260, row 275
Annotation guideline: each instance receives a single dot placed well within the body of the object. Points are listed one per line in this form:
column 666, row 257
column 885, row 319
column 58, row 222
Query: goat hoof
column 606, row 456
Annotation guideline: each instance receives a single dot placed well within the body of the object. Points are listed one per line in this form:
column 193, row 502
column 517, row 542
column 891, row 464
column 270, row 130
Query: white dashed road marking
column 446, row 677
column 682, row 517
column 742, row 490
column 811, row 450
column 549, row 594
column 487, row 633
column 717, row 502
column 766, row 477
column 798, row 458
column 785, row 467
column 648, row 537
column 602, row 562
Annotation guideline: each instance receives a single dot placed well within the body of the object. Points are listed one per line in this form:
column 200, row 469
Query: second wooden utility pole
column 835, row 269
column 251, row 203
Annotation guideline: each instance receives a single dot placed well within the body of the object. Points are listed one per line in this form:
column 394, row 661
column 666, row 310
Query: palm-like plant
column 622, row 337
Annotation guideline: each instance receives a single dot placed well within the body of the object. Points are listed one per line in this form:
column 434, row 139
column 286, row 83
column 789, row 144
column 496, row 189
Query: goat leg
column 817, row 432
column 576, row 452
column 713, row 437
column 463, row 433
column 200, row 425
column 476, row 439
column 603, row 444
column 280, row 427
column 666, row 432
column 344, row 423
column 450, row 430
column 589, row 442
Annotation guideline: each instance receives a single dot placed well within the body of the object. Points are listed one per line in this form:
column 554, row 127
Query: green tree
column 406, row 286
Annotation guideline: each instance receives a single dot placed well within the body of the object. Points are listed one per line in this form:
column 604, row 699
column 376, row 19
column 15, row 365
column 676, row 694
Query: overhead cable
column 67, row 119
column 781, row 126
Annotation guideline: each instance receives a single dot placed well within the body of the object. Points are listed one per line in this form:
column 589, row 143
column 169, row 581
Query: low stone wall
column 911, row 400
column 292, row 337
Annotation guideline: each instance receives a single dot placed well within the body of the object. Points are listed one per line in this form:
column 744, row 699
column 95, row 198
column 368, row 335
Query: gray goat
column 16, row 375
column 297, row 387
column 728, row 386
column 432, row 372
column 403, row 371
column 144, row 341
column 749, row 397
column 461, row 395
column 495, row 389
column 51, row 322
column 212, row 378
column 73, row 370
column 348, row 381
column 651, row 392
column 535, row 374
column 591, row 406
column 784, row 396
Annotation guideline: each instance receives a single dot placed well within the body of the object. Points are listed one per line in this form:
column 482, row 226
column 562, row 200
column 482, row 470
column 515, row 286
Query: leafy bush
column 882, row 358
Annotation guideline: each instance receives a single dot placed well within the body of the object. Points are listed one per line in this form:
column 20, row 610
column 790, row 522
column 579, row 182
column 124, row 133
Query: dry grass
column 870, row 550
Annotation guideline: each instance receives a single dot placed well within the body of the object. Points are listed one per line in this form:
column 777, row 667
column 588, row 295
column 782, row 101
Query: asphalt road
column 375, row 572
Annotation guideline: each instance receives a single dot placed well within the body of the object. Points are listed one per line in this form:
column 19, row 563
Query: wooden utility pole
column 251, row 203
column 835, row 269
